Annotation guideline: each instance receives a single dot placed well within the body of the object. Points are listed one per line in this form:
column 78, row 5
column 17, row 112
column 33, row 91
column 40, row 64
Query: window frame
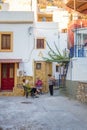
column 57, row 68
column 11, row 42
column 43, row 43
column 38, row 66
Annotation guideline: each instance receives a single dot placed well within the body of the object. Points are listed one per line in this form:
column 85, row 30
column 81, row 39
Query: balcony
column 78, row 51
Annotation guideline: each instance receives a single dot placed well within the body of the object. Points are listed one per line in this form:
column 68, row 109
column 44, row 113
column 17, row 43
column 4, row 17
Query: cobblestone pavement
column 47, row 112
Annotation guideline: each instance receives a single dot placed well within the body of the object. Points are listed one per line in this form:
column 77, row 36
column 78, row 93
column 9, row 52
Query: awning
column 10, row 60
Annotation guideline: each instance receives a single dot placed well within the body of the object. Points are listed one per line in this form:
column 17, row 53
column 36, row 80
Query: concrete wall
column 71, row 88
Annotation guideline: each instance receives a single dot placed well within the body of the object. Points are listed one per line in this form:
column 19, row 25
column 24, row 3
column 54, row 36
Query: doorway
column 7, row 76
column 41, row 70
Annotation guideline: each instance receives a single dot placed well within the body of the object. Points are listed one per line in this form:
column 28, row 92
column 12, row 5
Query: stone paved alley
column 47, row 112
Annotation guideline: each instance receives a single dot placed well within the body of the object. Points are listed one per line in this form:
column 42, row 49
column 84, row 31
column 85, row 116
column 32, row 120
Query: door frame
column 43, row 73
column 15, row 74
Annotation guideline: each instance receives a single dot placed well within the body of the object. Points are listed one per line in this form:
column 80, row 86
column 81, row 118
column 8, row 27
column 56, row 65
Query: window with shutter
column 6, row 41
column 40, row 44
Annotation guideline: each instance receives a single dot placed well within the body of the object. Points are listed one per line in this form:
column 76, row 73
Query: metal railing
column 79, row 51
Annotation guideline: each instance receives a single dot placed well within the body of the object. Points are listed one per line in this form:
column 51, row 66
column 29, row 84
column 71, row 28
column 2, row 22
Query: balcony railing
column 78, row 51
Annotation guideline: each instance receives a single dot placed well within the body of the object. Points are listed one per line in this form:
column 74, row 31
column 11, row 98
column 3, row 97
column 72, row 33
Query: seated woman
column 28, row 89
column 38, row 85
column 33, row 91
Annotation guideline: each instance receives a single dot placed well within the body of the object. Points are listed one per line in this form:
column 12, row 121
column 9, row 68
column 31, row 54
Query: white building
column 14, row 42
column 4, row 6
column 77, row 67
column 22, row 48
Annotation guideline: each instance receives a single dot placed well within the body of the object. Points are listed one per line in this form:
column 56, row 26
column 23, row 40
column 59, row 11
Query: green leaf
column 56, row 56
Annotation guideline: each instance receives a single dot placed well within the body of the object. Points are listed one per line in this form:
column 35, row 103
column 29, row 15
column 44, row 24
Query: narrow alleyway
column 47, row 112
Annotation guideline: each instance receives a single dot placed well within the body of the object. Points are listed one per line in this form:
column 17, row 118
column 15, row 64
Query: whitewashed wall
column 24, row 36
column 19, row 5
column 21, row 40
column 21, row 24
column 23, row 43
column 62, row 44
column 77, row 70
column 4, row 6
column 24, row 40
column 16, row 16
column 46, row 30
column 49, row 31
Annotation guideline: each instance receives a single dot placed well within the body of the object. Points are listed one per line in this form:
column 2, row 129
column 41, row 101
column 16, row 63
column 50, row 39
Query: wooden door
column 41, row 70
column 7, row 76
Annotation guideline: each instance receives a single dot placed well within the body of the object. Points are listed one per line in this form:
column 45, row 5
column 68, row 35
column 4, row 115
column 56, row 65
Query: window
column 4, row 72
column 85, row 40
column 44, row 19
column 38, row 65
column 40, row 44
column 57, row 68
column 11, row 71
column 79, row 39
column 5, row 41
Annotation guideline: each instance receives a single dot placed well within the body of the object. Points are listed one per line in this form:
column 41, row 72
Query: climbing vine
column 56, row 56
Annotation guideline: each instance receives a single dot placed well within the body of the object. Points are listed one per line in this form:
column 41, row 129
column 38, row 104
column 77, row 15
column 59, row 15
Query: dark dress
column 50, row 82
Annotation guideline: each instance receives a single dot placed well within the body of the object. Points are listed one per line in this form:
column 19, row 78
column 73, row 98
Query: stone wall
column 77, row 90
column 18, row 89
column 42, row 73
column 82, row 92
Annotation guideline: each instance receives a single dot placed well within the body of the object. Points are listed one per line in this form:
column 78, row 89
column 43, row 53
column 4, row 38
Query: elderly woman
column 29, row 89
column 51, row 81
column 38, row 85
column 26, row 87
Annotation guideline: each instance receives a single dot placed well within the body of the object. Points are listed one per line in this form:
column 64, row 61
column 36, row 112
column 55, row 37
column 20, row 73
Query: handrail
column 79, row 51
